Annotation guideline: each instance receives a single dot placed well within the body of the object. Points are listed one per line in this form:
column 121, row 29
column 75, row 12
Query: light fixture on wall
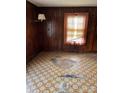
column 41, row 17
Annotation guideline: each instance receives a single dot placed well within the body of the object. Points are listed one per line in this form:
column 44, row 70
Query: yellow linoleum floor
column 62, row 72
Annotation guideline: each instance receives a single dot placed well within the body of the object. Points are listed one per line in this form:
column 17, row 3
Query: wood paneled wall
column 49, row 34
column 52, row 29
column 32, row 34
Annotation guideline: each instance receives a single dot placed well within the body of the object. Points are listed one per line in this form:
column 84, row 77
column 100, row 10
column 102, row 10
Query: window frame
column 65, row 26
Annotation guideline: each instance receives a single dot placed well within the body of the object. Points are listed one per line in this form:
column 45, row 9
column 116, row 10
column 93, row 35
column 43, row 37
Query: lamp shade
column 41, row 17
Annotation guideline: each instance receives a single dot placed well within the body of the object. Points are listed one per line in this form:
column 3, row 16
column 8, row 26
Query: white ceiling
column 63, row 3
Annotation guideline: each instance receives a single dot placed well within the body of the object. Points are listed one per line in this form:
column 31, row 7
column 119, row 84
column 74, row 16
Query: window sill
column 69, row 44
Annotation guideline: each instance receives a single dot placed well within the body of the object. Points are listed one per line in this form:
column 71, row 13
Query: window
column 75, row 28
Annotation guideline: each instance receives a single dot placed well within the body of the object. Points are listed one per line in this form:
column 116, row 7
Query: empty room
column 61, row 46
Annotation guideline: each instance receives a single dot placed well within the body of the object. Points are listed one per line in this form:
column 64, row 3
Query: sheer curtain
column 75, row 29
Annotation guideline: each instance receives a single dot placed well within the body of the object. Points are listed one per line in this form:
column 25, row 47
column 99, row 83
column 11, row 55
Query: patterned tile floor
column 44, row 76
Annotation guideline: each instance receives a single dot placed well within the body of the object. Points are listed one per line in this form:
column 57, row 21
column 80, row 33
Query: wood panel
column 32, row 34
column 52, row 29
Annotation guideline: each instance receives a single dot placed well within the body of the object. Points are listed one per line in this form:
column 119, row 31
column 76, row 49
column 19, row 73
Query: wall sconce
column 41, row 17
